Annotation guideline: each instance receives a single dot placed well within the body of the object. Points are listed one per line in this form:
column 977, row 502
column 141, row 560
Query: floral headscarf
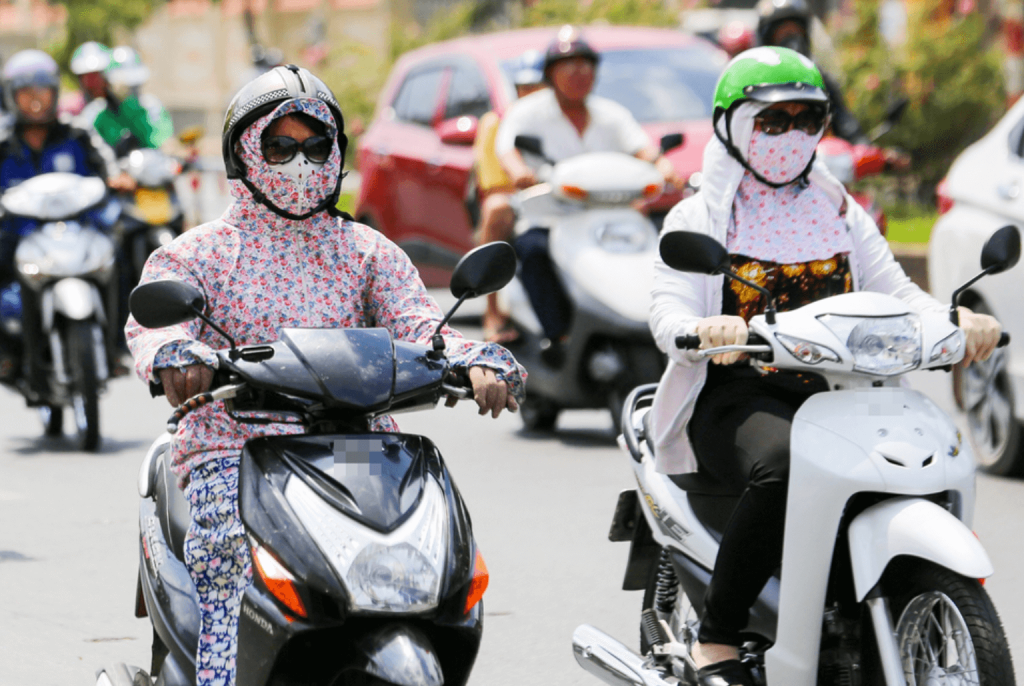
column 279, row 188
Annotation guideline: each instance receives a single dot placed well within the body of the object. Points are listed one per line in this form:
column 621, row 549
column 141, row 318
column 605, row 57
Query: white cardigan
column 681, row 300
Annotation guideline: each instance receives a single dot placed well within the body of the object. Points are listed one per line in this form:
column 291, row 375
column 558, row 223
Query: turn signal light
column 652, row 189
column 574, row 192
column 478, row 584
column 278, row 580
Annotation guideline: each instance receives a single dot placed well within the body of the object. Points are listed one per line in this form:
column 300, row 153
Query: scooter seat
column 172, row 508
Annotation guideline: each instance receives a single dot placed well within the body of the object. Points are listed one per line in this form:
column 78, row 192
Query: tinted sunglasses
column 778, row 122
column 282, row 149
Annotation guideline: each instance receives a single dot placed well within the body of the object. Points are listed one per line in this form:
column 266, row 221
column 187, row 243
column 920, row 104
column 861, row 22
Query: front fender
column 401, row 654
column 914, row 527
column 77, row 299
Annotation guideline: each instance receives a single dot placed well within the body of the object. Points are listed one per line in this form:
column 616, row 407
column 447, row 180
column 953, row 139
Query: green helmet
column 126, row 68
column 90, row 57
column 768, row 75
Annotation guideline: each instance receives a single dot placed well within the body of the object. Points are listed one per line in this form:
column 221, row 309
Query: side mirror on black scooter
column 482, row 270
column 167, row 302
column 158, row 304
column 697, row 253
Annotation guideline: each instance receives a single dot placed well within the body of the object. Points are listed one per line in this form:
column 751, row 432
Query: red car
column 416, row 156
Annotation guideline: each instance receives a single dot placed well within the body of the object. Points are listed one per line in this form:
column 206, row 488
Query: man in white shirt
column 569, row 121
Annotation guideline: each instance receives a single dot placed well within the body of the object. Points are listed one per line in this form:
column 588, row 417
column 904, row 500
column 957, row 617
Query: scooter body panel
column 881, row 440
column 915, row 527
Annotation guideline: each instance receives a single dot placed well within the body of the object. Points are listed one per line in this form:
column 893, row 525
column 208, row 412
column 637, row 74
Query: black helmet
column 263, row 95
column 568, row 43
column 771, row 12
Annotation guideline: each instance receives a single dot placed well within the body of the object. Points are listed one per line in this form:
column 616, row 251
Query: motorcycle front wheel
column 52, row 417
column 948, row 631
column 85, row 393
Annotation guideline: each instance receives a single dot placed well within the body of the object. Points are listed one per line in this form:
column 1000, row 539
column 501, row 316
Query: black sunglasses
column 778, row 122
column 282, row 149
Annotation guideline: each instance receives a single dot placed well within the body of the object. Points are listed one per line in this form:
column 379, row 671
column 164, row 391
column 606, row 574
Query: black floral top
column 792, row 285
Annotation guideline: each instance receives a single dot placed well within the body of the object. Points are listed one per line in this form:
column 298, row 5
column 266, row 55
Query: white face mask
column 299, row 168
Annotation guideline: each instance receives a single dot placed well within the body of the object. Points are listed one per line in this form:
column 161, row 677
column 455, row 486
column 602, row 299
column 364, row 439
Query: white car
column 984, row 191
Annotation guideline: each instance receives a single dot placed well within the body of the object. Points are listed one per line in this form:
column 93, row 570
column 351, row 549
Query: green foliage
column 629, row 12
column 98, row 20
column 947, row 70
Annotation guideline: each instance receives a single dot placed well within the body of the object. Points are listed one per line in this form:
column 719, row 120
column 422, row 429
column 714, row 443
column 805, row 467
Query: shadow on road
column 576, row 437
column 45, row 446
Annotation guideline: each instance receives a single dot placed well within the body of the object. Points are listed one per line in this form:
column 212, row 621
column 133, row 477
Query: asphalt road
column 541, row 506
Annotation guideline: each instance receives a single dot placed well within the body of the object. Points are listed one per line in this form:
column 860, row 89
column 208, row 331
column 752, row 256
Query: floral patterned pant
column 218, row 560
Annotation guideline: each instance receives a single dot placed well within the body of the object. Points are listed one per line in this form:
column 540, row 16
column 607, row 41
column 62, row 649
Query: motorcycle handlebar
column 692, row 341
column 1004, row 340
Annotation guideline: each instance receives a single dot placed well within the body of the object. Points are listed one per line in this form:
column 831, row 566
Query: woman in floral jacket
column 279, row 257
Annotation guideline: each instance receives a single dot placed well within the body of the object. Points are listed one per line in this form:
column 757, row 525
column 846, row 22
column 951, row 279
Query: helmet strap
column 734, row 152
column 330, row 203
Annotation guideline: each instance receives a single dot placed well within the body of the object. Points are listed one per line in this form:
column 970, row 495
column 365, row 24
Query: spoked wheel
column 539, row 414
column 948, row 632
column 85, row 395
column 983, row 392
column 53, row 420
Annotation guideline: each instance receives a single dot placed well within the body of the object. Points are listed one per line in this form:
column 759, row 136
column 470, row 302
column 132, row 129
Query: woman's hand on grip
column 180, row 384
column 722, row 330
column 982, row 332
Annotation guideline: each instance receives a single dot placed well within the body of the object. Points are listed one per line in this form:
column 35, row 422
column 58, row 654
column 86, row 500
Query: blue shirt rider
column 37, row 143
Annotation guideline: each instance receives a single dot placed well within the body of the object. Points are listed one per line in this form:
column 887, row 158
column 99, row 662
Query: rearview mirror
column 696, row 253
column 458, row 131
column 1001, row 251
column 896, row 111
column 530, row 144
column 484, row 270
column 671, row 141
column 165, row 303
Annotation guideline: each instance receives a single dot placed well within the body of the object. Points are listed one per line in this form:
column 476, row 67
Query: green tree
column 98, row 20
column 947, row 69
column 629, row 12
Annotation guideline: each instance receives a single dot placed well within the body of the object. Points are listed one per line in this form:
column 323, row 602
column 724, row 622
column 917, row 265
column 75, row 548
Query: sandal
column 507, row 333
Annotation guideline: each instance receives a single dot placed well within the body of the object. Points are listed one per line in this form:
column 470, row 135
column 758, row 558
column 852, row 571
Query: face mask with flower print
column 782, row 158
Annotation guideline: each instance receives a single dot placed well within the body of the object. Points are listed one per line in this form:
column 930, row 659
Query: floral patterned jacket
column 260, row 273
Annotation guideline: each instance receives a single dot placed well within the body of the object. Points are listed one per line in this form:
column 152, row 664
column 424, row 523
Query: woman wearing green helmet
column 789, row 226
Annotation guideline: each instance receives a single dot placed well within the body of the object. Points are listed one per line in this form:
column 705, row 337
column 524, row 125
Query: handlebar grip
column 1004, row 340
column 688, row 342
column 692, row 341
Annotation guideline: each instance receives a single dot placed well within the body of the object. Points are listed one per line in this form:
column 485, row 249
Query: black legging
column 740, row 432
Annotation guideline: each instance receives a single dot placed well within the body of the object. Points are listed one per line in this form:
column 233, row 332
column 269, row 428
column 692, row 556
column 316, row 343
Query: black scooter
column 365, row 570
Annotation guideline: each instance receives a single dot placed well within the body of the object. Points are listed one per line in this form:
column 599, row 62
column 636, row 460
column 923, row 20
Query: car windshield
column 657, row 84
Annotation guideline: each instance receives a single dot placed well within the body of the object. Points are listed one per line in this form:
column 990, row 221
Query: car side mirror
column 1001, row 251
column 671, row 141
column 484, row 270
column 165, row 303
column 696, row 253
column 458, row 130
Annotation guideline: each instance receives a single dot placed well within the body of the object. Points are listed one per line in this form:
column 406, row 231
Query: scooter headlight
column 624, row 237
column 396, row 572
column 882, row 346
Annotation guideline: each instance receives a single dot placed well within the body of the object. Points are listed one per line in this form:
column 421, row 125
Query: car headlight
column 947, row 350
column 806, row 351
column 624, row 237
column 883, row 346
column 396, row 572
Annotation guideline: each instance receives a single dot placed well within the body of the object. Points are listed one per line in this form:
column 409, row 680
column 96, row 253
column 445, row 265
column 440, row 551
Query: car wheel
column 983, row 391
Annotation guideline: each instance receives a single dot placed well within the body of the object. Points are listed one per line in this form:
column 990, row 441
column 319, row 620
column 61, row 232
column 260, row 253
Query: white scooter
column 602, row 249
column 880, row 578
